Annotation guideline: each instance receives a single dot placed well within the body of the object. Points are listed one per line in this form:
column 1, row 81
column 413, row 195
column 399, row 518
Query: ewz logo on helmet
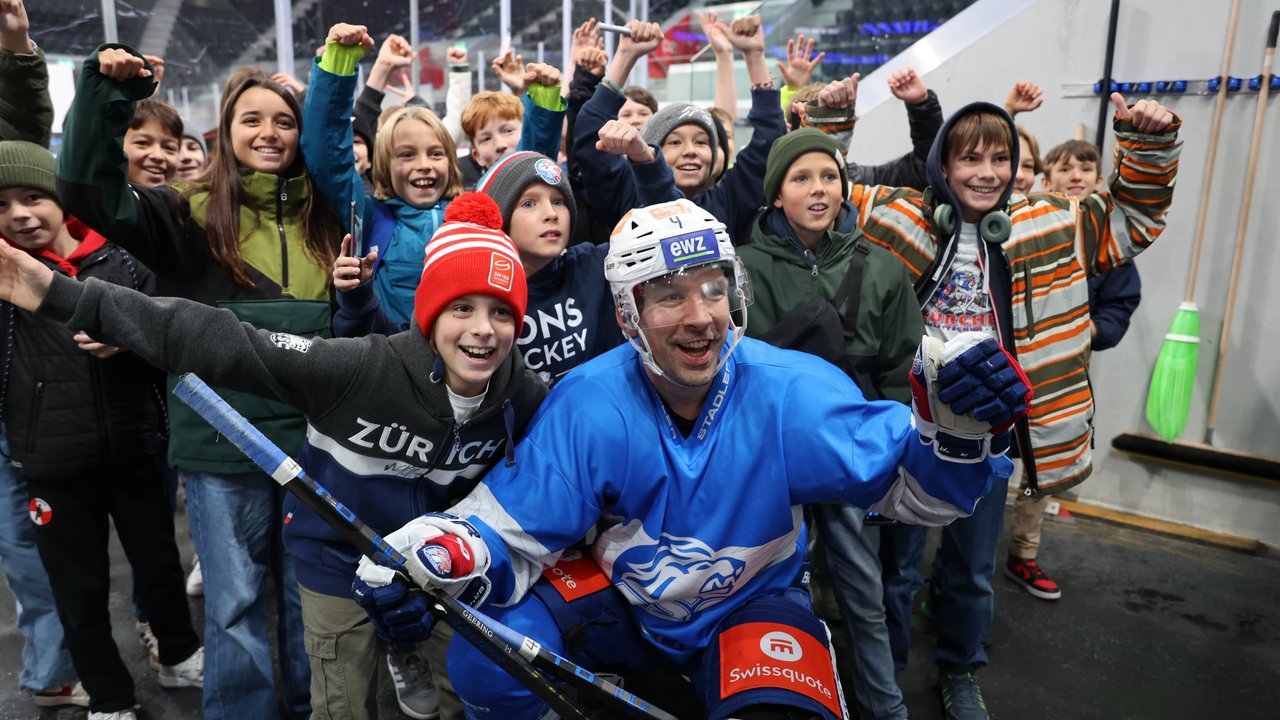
column 695, row 247
column 763, row 655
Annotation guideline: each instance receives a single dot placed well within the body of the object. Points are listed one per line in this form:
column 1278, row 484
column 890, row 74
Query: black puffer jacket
column 67, row 412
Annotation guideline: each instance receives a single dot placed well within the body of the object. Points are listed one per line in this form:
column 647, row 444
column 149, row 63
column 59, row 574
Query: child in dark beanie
column 84, row 422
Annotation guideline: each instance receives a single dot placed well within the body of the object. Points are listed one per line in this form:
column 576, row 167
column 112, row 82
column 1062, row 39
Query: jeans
column 236, row 524
column 967, row 603
column 45, row 660
column 850, row 551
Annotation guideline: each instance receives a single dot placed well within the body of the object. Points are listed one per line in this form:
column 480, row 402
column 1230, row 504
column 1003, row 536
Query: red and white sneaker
column 64, row 696
column 1028, row 575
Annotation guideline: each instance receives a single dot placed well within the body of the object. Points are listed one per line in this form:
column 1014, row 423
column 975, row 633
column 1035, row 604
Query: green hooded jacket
column 785, row 275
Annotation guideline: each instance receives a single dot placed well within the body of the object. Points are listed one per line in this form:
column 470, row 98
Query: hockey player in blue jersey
column 691, row 453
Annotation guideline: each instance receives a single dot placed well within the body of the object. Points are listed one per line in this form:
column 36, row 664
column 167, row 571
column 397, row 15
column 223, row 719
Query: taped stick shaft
column 618, row 29
column 515, row 653
column 265, row 454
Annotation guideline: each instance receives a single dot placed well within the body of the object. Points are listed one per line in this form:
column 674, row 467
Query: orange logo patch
column 575, row 576
column 772, row 655
column 501, row 271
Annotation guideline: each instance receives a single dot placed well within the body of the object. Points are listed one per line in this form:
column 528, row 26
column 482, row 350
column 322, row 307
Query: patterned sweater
column 1038, row 279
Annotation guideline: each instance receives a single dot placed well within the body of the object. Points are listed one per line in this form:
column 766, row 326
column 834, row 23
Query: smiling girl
column 250, row 235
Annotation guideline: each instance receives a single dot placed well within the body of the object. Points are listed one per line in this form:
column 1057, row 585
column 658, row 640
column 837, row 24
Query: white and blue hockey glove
column 442, row 552
column 966, row 393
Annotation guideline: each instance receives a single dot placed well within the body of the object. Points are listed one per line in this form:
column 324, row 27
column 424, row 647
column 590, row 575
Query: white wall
column 1062, row 42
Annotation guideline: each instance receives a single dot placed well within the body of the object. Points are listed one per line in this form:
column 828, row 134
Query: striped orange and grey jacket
column 1056, row 243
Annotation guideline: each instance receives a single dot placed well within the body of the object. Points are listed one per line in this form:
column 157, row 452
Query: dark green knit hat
column 791, row 146
column 26, row 164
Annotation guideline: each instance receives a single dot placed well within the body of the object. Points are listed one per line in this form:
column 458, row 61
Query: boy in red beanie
column 397, row 426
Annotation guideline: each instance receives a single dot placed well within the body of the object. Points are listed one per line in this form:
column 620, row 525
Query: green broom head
column 1169, row 397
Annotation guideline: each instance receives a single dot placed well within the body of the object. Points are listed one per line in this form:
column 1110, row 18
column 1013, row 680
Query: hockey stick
column 521, row 656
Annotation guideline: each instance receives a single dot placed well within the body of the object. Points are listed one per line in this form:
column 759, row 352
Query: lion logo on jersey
column 683, row 577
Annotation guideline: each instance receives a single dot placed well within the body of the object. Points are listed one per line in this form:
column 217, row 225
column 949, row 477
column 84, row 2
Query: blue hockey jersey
column 692, row 527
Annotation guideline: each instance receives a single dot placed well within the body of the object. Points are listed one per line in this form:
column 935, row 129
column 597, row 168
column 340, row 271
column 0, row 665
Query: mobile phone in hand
column 355, row 226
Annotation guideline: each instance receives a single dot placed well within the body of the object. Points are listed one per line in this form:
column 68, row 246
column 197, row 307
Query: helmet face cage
column 653, row 249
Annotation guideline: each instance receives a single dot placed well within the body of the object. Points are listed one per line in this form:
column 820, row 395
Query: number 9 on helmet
column 673, row 264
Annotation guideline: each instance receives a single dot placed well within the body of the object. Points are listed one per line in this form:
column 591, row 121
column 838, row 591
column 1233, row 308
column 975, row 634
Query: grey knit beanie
column 673, row 116
column 788, row 148
column 507, row 179
column 26, row 164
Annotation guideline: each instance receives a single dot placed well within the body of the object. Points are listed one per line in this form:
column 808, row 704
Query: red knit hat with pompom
column 469, row 254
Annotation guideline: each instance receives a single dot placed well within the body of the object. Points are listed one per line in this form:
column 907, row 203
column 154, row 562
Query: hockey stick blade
column 522, row 657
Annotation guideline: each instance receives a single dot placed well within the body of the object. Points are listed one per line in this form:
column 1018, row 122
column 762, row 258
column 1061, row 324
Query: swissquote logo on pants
column 772, row 655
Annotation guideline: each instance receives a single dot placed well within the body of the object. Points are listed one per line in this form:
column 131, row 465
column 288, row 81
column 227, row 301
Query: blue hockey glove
column 966, row 394
column 401, row 617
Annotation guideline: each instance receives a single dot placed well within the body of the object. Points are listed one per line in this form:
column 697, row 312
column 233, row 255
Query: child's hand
column 747, row 35
column 841, row 94
column 396, row 52
column 293, row 84
column 907, row 86
column 157, row 69
column 717, row 33
column 349, row 272
column 456, row 56
column 592, row 59
column 15, row 27
column 1024, row 96
column 799, row 68
column 1147, row 115
column 509, row 67
column 405, row 89
column 645, row 38
column 24, row 281
column 586, row 35
column 350, row 36
column 99, row 350
column 624, row 139
column 120, row 65
column 541, row 74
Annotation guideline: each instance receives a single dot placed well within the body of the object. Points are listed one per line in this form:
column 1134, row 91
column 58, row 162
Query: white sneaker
column 69, row 694
column 415, row 690
column 149, row 643
column 117, row 715
column 195, row 581
column 188, row 673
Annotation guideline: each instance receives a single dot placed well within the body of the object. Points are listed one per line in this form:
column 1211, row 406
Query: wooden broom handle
column 1250, row 175
column 1219, row 105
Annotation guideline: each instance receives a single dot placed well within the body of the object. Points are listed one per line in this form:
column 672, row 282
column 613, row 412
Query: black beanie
column 26, row 164
column 507, row 179
column 791, row 146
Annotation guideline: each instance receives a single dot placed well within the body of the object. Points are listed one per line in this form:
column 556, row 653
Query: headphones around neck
column 994, row 226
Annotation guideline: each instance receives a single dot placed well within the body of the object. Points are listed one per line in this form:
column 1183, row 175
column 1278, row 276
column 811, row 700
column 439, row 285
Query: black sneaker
column 961, row 697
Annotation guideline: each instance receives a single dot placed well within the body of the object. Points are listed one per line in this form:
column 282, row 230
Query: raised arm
column 726, row 86
column 1146, row 165
column 93, row 172
column 326, row 142
column 26, row 110
column 543, row 110
column 458, row 94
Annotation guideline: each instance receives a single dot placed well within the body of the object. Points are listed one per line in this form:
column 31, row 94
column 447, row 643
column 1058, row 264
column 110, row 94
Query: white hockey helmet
column 658, row 242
